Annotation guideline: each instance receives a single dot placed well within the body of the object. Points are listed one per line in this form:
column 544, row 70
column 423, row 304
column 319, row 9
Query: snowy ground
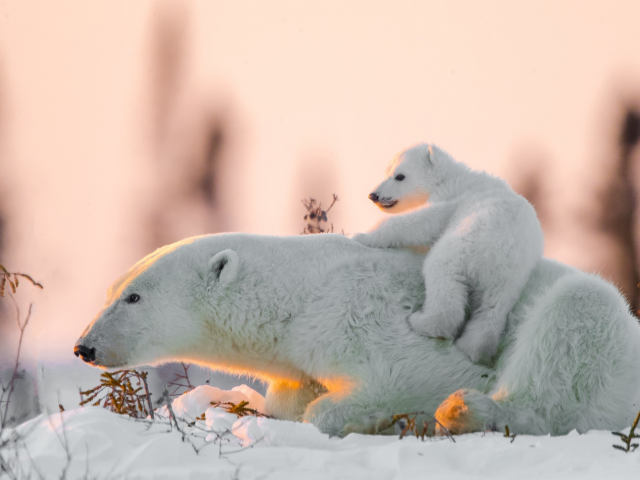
column 106, row 445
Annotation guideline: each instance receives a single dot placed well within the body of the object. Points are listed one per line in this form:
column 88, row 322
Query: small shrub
column 119, row 394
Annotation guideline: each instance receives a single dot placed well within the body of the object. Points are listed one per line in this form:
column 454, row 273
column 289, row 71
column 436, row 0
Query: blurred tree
column 626, row 227
column 602, row 221
column 168, row 43
column 3, row 221
column 614, row 217
column 190, row 136
column 529, row 177
column 4, row 321
column 215, row 142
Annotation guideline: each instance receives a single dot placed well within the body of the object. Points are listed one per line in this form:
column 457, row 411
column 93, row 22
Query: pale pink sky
column 329, row 89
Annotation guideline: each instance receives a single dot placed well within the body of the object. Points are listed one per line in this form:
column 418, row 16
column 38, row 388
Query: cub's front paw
column 424, row 324
column 367, row 240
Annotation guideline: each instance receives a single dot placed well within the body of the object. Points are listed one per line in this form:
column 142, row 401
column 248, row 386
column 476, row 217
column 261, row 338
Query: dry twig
column 316, row 216
column 427, row 429
column 181, row 380
column 627, row 439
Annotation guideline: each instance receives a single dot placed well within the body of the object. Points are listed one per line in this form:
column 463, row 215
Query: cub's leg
column 288, row 400
column 500, row 274
column 482, row 333
column 443, row 312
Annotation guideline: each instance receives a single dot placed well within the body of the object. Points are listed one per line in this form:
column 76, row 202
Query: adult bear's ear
column 223, row 267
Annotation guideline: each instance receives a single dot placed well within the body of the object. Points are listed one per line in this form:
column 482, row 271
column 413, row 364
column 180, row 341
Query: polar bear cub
column 485, row 240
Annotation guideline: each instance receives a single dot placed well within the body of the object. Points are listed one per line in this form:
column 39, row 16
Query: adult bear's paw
column 374, row 424
column 467, row 411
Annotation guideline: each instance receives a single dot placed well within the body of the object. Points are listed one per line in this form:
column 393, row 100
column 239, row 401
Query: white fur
column 322, row 319
column 485, row 239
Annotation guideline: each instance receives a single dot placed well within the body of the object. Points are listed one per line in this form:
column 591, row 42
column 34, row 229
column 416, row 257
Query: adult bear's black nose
column 373, row 197
column 87, row 354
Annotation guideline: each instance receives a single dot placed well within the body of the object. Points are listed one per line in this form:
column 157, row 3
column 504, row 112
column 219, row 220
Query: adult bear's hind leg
column 368, row 411
column 331, row 412
column 288, row 400
column 467, row 411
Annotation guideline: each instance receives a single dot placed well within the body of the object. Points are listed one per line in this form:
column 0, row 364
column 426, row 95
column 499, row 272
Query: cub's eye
column 400, row 177
column 133, row 298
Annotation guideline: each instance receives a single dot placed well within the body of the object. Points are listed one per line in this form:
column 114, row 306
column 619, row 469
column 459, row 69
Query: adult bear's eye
column 133, row 298
column 400, row 177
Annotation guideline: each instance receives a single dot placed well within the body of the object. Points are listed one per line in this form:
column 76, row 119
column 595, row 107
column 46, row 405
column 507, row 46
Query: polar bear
column 321, row 318
column 486, row 239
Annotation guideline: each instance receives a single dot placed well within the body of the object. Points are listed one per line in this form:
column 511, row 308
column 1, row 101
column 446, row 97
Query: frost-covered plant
column 117, row 393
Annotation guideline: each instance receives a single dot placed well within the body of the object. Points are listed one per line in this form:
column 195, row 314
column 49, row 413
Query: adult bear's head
column 154, row 312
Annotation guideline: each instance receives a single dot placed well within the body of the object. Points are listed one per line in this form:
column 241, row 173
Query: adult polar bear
column 323, row 320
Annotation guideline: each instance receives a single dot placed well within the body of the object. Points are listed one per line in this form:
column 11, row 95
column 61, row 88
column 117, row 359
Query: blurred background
column 127, row 125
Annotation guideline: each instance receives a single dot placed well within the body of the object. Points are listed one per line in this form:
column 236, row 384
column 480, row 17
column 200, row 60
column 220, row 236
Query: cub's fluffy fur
column 485, row 240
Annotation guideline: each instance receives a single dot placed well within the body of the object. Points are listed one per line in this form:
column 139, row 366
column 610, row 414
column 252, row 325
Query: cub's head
column 154, row 312
column 412, row 176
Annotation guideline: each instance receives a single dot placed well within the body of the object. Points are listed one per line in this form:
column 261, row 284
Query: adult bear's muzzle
column 88, row 355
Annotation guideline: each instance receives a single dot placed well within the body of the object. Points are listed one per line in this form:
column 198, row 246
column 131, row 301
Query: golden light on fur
column 455, row 416
column 339, row 387
column 118, row 287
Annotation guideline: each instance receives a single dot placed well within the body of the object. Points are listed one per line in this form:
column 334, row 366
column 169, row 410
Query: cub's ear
column 223, row 267
column 430, row 154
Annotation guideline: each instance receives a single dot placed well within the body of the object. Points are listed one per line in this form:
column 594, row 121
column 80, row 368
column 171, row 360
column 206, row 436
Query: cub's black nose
column 87, row 354
column 373, row 197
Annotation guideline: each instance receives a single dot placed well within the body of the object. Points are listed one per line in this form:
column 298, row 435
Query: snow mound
column 256, row 401
column 194, row 403
column 280, row 433
column 106, row 445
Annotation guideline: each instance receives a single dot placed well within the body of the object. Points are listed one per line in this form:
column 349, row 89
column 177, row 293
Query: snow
column 108, row 445
column 197, row 401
